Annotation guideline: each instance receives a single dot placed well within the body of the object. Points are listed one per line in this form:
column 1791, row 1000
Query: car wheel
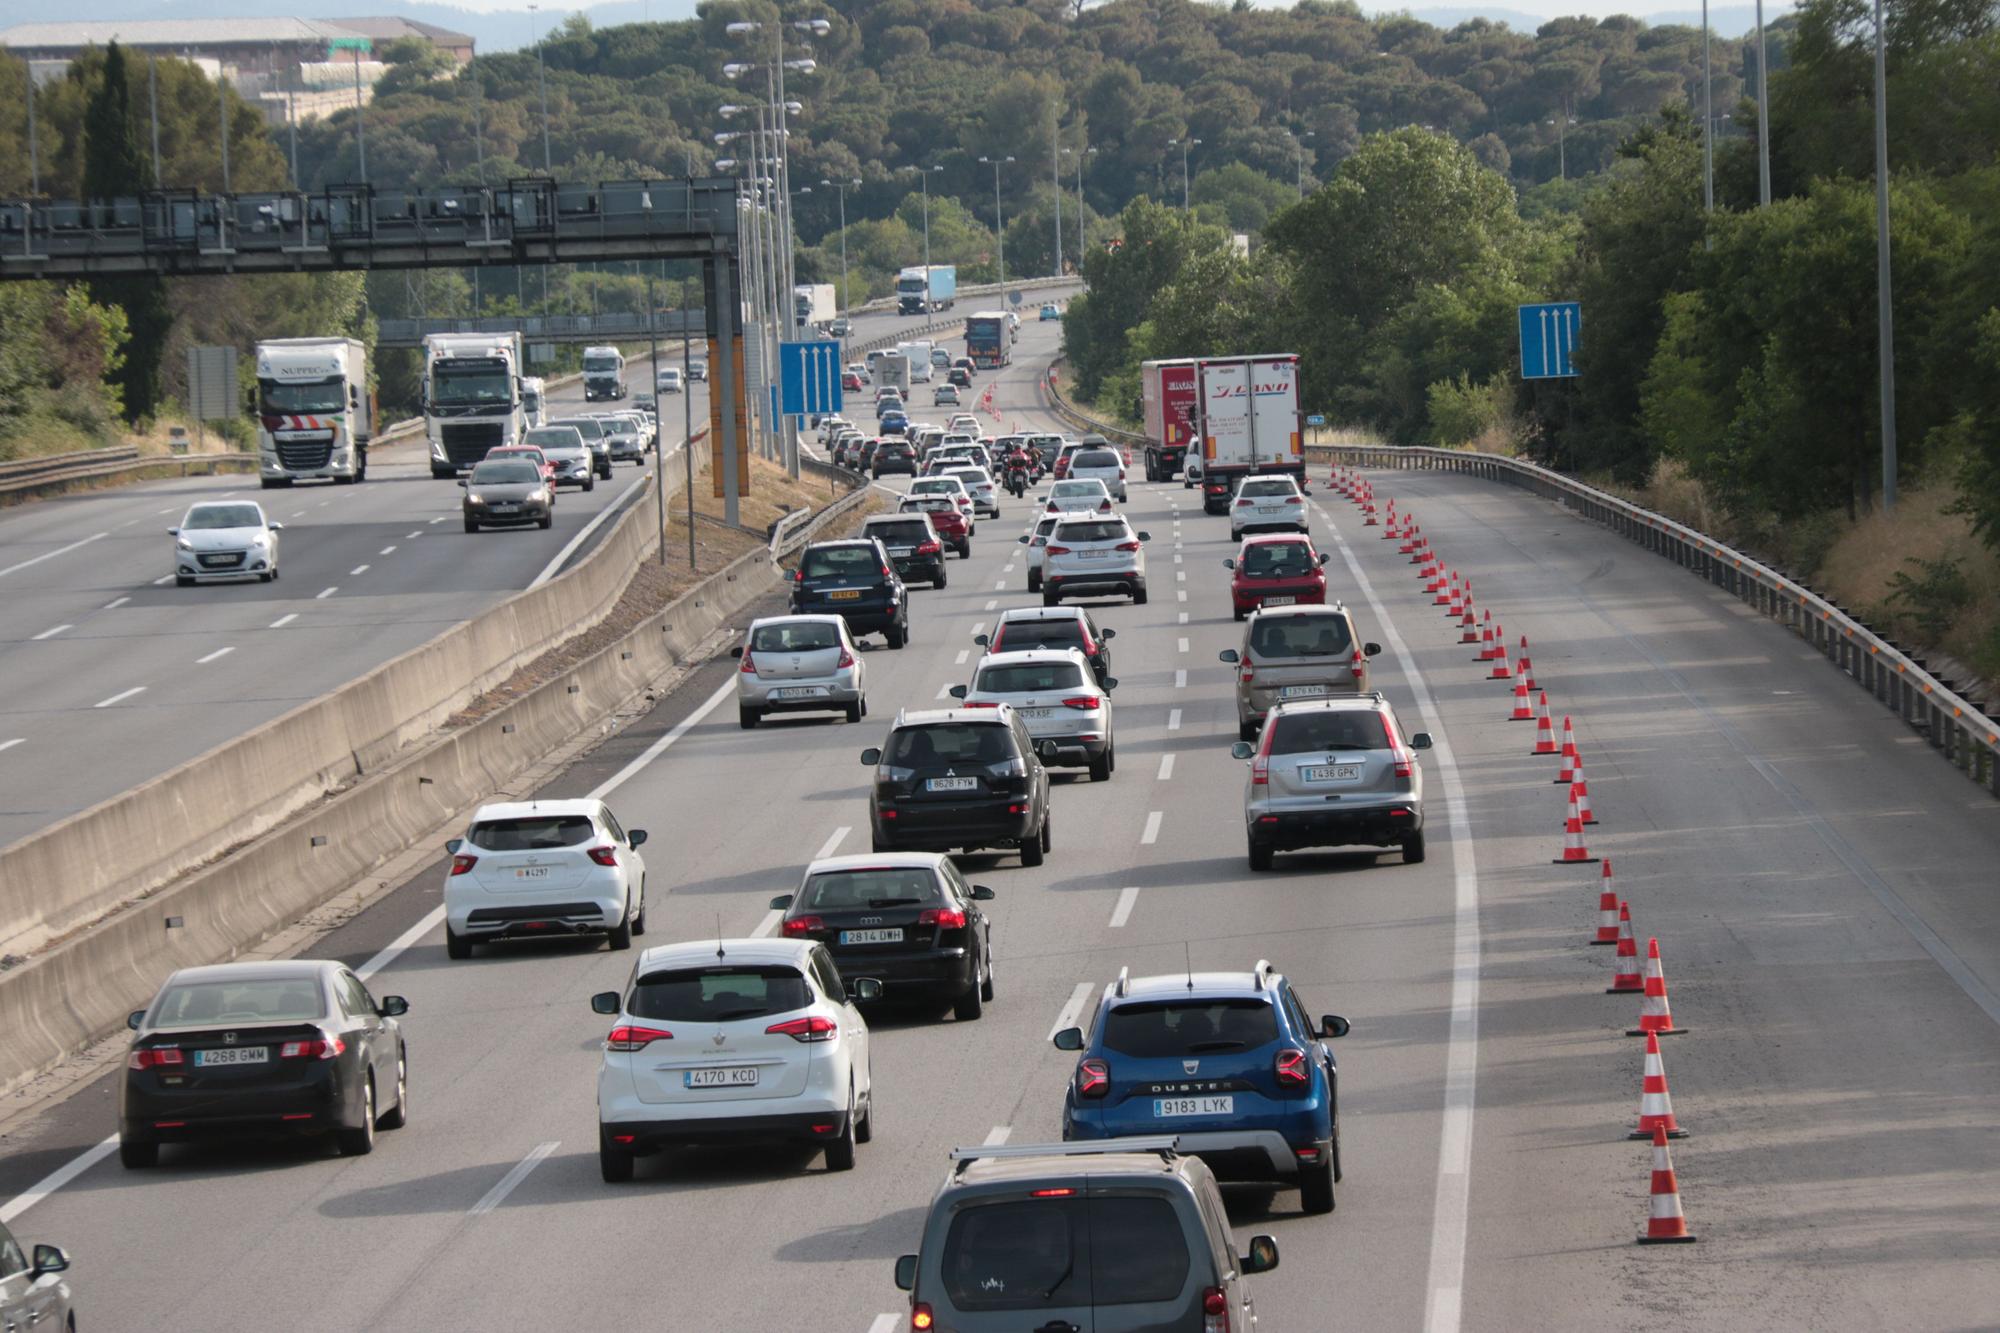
column 548, row 521
column 942, row 577
column 876, row 843
column 1238, row 612
column 1034, row 580
column 589, row 485
column 471, row 526
column 896, row 635
column 639, row 917
column 1413, row 848
column 138, row 1154
column 840, row 1153
column 854, row 711
column 183, row 581
column 443, row 473
column 864, row 1128
column 1139, row 595
column 965, row 549
column 1100, row 767
column 614, row 1163
column 968, row 1007
column 620, row 935
column 746, row 717
column 1260, row 855
column 398, row 1115
column 986, row 985
column 1316, row 1187
column 360, row 1141
column 265, row 577
column 1050, row 596
column 456, row 945
column 1337, row 1176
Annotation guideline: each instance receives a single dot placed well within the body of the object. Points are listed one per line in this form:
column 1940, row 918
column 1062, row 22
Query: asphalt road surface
column 1820, row 883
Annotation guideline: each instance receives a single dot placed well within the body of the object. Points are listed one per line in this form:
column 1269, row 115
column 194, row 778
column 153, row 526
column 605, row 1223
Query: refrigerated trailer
column 315, row 416
column 1247, row 413
column 1169, row 394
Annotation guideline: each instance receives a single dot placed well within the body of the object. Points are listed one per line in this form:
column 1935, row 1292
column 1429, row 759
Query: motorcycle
column 1017, row 480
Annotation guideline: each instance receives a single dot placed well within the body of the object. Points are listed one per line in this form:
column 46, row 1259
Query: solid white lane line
column 1183, row 644
column 51, row 633
column 283, row 621
column 325, row 593
column 963, row 653
column 116, row 603
column 385, row 550
column 55, row 1180
column 1180, row 679
column 18, row 740
column 1166, row 767
column 1174, row 720
column 583, row 535
column 219, row 652
column 1152, row 833
column 60, row 550
column 1066, row 1016
column 1123, row 911
column 832, row 843
column 659, row 747
column 493, row 1197
column 116, row 698
column 768, row 926
column 357, row 570
column 998, row 1135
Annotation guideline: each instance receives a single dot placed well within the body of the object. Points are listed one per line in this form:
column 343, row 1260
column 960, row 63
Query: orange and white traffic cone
column 1485, row 652
column 1455, row 608
column 1524, row 703
column 1579, row 796
column 1393, row 528
column 1423, row 552
column 1368, row 514
column 1521, row 662
column 1574, row 853
column 1625, row 977
column 1582, row 790
column 1664, row 1223
column 1409, row 542
column 1545, row 731
column 1607, row 909
column 1566, row 774
column 1468, row 622
column 1656, row 1104
column 1445, row 589
column 1499, row 648
column 1654, row 1015
column 1500, row 671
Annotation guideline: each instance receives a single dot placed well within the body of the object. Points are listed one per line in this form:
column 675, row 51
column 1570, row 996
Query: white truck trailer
column 315, row 416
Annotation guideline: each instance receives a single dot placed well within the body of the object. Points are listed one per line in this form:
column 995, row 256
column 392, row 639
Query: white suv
column 730, row 1041
column 1057, row 695
column 1101, row 464
column 1037, row 542
column 531, row 869
column 1267, row 502
column 1097, row 555
column 1091, row 494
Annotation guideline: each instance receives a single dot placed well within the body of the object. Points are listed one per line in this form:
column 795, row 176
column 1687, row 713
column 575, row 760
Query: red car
column 946, row 517
column 529, row 452
column 1277, row 570
column 850, row 382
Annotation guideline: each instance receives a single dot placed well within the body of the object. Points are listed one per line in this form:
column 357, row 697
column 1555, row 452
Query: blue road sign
column 1014, row 298
column 1316, row 419
column 809, row 378
column 1548, row 340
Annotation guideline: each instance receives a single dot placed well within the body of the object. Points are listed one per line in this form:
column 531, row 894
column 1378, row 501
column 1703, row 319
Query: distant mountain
column 1726, row 20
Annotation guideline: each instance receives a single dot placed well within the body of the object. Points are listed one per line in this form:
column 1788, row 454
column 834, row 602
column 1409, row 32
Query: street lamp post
column 924, row 175
column 1299, row 142
column 1884, row 322
column 1763, row 120
column 842, row 187
column 1055, row 179
column 999, row 223
column 1707, row 119
column 1184, row 145
column 542, row 81
column 1081, row 153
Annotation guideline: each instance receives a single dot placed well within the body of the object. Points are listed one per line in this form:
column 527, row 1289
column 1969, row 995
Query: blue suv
column 1227, row 1062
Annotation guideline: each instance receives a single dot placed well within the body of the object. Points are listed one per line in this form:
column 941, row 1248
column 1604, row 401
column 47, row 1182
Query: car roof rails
column 1263, row 973
column 1123, row 986
column 1163, row 1144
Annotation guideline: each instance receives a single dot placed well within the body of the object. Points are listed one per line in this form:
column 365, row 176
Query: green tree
column 1153, row 246
column 112, row 166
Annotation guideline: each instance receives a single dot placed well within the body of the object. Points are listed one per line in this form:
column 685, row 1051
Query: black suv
column 855, row 580
column 1030, row 627
column 894, row 456
column 963, row 778
column 913, row 545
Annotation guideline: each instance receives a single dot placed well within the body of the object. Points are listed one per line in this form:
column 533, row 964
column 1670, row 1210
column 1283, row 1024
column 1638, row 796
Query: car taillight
column 1057, row 550
column 1249, row 673
column 1093, row 1078
column 1082, row 702
column 921, row 1318
column 1104, row 507
column 1292, row 1071
column 1295, row 500
column 1128, row 546
column 798, row 576
column 944, row 918
column 927, row 548
column 156, row 1057
column 1214, row 1310
column 1405, row 761
column 846, row 660
column 802, row 927
column 461, row 863
column 981, row 703
column 604, row 856
column 318, row 1048
column 632, row 1037
column 813, row 1028
column 749, row 667
column 886, row 571
column 1260, row 767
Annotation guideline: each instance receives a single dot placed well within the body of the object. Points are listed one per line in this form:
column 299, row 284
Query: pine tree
column 113, row 166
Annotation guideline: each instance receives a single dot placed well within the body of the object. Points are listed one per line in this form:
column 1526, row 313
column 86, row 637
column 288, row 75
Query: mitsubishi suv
column 966, row 778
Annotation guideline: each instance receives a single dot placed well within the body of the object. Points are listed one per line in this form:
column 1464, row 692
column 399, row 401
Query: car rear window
column 504, row 473
column 1161, row 1029
column 952, row 743
column 1266, row 488
column 1017, row 1254
column 268, row 1000
column 719, row 994
column 1021, row 634
column 839, row 560
column 1089, row 486
column 548, row 437
column 1029, row 677
column 1345, row 729
column 1138, row 1250
column 1094, row 458
column 929, row 504
column 1278, row 559
column 1300, row 636
column 906, row 531
column 937, row 486
column 1094, row 531
column 887, row 886
column 530, row 833
column 588, row 427
column 804, row 636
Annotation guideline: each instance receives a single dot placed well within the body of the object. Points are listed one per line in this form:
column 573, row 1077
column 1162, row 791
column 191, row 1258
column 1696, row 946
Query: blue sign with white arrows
column 809, row 378
column 1548, row 340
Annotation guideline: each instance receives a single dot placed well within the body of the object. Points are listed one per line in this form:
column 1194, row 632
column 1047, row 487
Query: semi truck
column 1168, row 391
column 472, row 397
column 534, row 402
column 603, row 373
column 315, row 416
column 923, row 291
column 919, row 356
column 815, row 303
column 892, row 371
column 989, row 338
column 1247, row 415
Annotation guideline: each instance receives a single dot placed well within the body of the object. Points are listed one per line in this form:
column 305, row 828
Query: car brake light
column 1243, row 504
column 1128, row 546
column 318, row 1048
column 1093, row 1078
column 1214, row 1310
column 1292, row 1068
column 927, row 548
column 811, row 1028
column 801, row 927
column 461, row 863
column 799, row 575
column 885, row 571
column 155, row 1057
column 632, row 1037
column 1260, row 767
column 1061, row 1193
column 921, row 1318
column 1295, row 500
column 1081, row 702
column 1057, row 550
column 749, row 667
column 846, row 660
column 944, row 918
column 604, row 856
column 1104, row 507
column 1405, row 761
column 981, row 703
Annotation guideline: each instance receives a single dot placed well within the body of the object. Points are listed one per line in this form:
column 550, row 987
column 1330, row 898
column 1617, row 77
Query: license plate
column 799, row 692
column 505, row 508
column 1096, row 555
column 531, row 872
column 952, row 784
column 1035, row 714
column 744, row 1077
column 891, row 935
column 234, row 1055
column 1332, row 773
column 1302, row 692
column 902, row 552
column 845, row 595
column 1176, row 1106
column 1279, row 601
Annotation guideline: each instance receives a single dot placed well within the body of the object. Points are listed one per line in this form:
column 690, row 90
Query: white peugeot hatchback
column 532, row 869
column 733, row 1041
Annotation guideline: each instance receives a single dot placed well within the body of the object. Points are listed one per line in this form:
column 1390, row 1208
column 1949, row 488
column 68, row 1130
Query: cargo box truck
column 315, row 416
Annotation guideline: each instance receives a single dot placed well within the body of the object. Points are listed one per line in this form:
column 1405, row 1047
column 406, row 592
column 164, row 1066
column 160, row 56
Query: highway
column 1821, row 886
column 115, row 675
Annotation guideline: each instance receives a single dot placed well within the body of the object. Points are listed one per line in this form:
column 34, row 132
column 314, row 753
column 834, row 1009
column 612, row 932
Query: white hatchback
column 1095, row 555
column 1055, row 693
column 734, row 1041
column 532, row 869
column 229, row 539
column 793, row 664
column 964, row 423
column 1265, row 503
column 1092, row 495
column 1102, row 464
column 952, row 486
column 979, row 485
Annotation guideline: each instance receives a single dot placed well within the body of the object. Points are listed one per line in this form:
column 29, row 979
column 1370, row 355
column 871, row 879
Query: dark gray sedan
column 506, row 491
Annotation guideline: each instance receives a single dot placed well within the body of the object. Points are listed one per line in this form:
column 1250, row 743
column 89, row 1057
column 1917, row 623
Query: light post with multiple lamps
column 842, row 187
column 999, row 222
column 1184, row 145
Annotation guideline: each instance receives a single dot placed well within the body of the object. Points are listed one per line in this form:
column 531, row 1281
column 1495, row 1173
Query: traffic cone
column 1455, row 606
column 1521, row 663
column 1664, row 1223
column 1654, row 1016
column 1574, row 853
column 1368, row 514
column 1524, row 703
column 1445, row 590
column 1625, row 978
column 1409, row 542
column 1499, row 648
column 1485, row 652
column 1607, row 909
column 1468, row 621
column 1579, row 796
column 1545, row 731
column 1393, row 529
column 1566, row 774
column 1656, row 1104
column 1500, row 671
column 1423, row 551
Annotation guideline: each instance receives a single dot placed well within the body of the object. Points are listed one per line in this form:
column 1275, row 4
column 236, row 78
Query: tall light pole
column 1081, row 153
column 1884, row 323
column 1055, row 179
column 542, row 79
column 1184, row 145
column 1707, row 118
column 924, row 175
column 1299, row 142
column 842, row 187
column 999, row 222
column 1562, row 121
column 1763, row 118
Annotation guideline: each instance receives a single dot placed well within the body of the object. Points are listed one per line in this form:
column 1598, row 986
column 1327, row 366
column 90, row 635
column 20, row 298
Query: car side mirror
column 1242, row 750
column 957, row 691
column 1371, row 649
column 1421, row 741
column 982, row 639
column 1263, row 1256
column 635, row 837
column 173, row 532
column 1228, row 655
column 871, row 756
column 277, row 527
column 1145, row 536
column 1069, row 1039
column 867, row 988
column 604, row 1002
column 135, row 1018
column 1110, row 684
column 1332, row 1025
column 737, row 651
column 49, row 1259
column 1108, row 634
column 982, row 894
column 906, row 1272
column 452, row 845
column 1023, row 539
column 1046, row 751
column 782, row 901
column 1323, row 557
column 464, row 482
column 1229, row 562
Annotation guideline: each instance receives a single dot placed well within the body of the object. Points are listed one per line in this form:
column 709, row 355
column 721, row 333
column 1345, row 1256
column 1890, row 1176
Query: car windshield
column 1094, row 458
column 1018, row 1254
column 904, row 532
column 1344, row 729
column 316, row 396
column 887, row 886
column 1266, row 488
column 224, row 516
column 1300, row 636
column 249, row 1000
column 1020, row 634
column 565, row 437
column 795, row 636
column 1278, row 560
column 471, row 386
column 505, row 472
column 1093, row 531
column 951, row 743
column 720, row 994
column 1029, row 678
column 1162, row 1029
column 602, row 362
column 839, row 561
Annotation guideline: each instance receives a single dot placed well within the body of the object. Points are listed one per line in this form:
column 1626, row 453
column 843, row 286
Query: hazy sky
column 1545, row 8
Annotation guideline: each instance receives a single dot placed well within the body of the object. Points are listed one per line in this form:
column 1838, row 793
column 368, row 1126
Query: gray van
column 1113, row 1235
column 1295, row 652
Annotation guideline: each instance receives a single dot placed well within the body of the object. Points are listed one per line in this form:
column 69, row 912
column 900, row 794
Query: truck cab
column 314, row 413
column 603, row 374
column 534, row 402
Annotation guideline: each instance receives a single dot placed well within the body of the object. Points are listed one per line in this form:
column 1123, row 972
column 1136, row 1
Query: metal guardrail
column 1955, row 727
column 22, row 468
column 111, row 463
column 1082, row 420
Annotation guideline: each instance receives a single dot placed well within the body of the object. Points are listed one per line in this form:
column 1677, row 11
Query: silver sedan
column 799, row 664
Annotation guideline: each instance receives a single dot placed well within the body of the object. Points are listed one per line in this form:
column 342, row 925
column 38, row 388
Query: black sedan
column 282, row 1049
